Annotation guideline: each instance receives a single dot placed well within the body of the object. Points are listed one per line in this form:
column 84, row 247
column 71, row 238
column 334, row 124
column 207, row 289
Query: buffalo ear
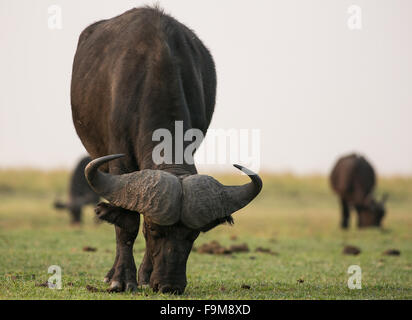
column 217, row 222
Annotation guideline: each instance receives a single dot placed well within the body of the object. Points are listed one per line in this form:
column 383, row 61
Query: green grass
column 297, row 217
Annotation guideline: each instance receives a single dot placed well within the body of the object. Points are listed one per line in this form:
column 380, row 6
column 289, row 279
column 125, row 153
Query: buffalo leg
column 145, row 270
column 123, row 273
column 124, row 277
column 359, row 212
column 345, row 214
column 76, row 214
column 109, row 275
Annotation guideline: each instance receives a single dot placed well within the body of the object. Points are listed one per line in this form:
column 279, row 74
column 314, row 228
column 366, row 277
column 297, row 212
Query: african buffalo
column 353, row 180
column 134, row 74
column 80, row 193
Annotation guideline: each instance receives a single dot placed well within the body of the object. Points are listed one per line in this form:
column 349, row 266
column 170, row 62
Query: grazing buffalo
column 353, row 179
column 134, row 74
column 80, row 193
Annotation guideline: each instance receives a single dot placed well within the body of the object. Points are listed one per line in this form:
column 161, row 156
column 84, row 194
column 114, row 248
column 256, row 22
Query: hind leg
column 345, row 214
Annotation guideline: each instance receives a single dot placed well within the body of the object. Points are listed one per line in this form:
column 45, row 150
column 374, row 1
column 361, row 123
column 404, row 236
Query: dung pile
column 214, row 247
column 351, row 250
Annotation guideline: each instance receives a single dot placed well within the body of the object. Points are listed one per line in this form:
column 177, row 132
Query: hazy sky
column 292, row 69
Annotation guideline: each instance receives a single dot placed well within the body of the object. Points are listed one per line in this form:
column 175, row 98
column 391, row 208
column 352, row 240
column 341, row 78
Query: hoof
column 106, row 280
column 116, row 286
column 131, row 287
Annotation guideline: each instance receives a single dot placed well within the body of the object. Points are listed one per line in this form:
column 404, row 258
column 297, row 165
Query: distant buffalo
column 353, row 179
column 80, row 193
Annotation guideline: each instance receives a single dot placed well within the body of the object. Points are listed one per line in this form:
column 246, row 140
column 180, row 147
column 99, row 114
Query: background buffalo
column 314, row 87
column 80, row 193
column 353, row 179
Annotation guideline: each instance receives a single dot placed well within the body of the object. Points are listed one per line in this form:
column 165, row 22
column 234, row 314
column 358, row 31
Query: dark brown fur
column 353, row 180
column 133, row 74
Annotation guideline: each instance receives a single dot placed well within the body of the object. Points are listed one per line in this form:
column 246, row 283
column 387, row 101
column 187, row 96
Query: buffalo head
column 175, row 210
column 372, row 213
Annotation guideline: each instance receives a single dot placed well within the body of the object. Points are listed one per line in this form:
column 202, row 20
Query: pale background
column 292, row 69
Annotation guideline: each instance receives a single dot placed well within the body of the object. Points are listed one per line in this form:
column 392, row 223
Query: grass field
column 296, row 217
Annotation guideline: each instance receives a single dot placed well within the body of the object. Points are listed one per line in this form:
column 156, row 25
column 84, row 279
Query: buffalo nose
column 171, row 289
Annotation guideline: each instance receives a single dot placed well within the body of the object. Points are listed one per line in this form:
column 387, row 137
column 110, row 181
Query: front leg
column 146, row 267
column 122, row 276
column 345, row 214
column 145, row 270
column 109, row 275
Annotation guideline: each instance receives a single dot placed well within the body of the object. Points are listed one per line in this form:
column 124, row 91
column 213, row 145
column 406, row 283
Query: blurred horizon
column 315, row 89
column 216, row 172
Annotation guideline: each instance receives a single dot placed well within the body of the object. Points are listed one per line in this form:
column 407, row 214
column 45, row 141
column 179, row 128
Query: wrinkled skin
column 353, row 180
column 154, row 71
column 166, row 246
column 167, row 250
column 132, row 75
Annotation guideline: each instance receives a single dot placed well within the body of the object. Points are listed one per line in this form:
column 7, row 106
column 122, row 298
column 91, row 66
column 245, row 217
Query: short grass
column 297, row 217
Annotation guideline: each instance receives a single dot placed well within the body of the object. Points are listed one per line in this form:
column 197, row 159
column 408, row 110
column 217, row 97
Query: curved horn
column 206, row 199
column 102, row 183
column 153, row 193
column 242, row 195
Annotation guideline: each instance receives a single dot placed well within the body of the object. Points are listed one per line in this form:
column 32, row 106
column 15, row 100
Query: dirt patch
column 42, row 284
column 392, row 252
column 245, row 286
column 21, row 276
column 94, row 289
column 213, row 247
column 91, row 288
column 239, row 248
column 233, row 237
column 351, row 250
column 89, row 249
column 266, row 250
